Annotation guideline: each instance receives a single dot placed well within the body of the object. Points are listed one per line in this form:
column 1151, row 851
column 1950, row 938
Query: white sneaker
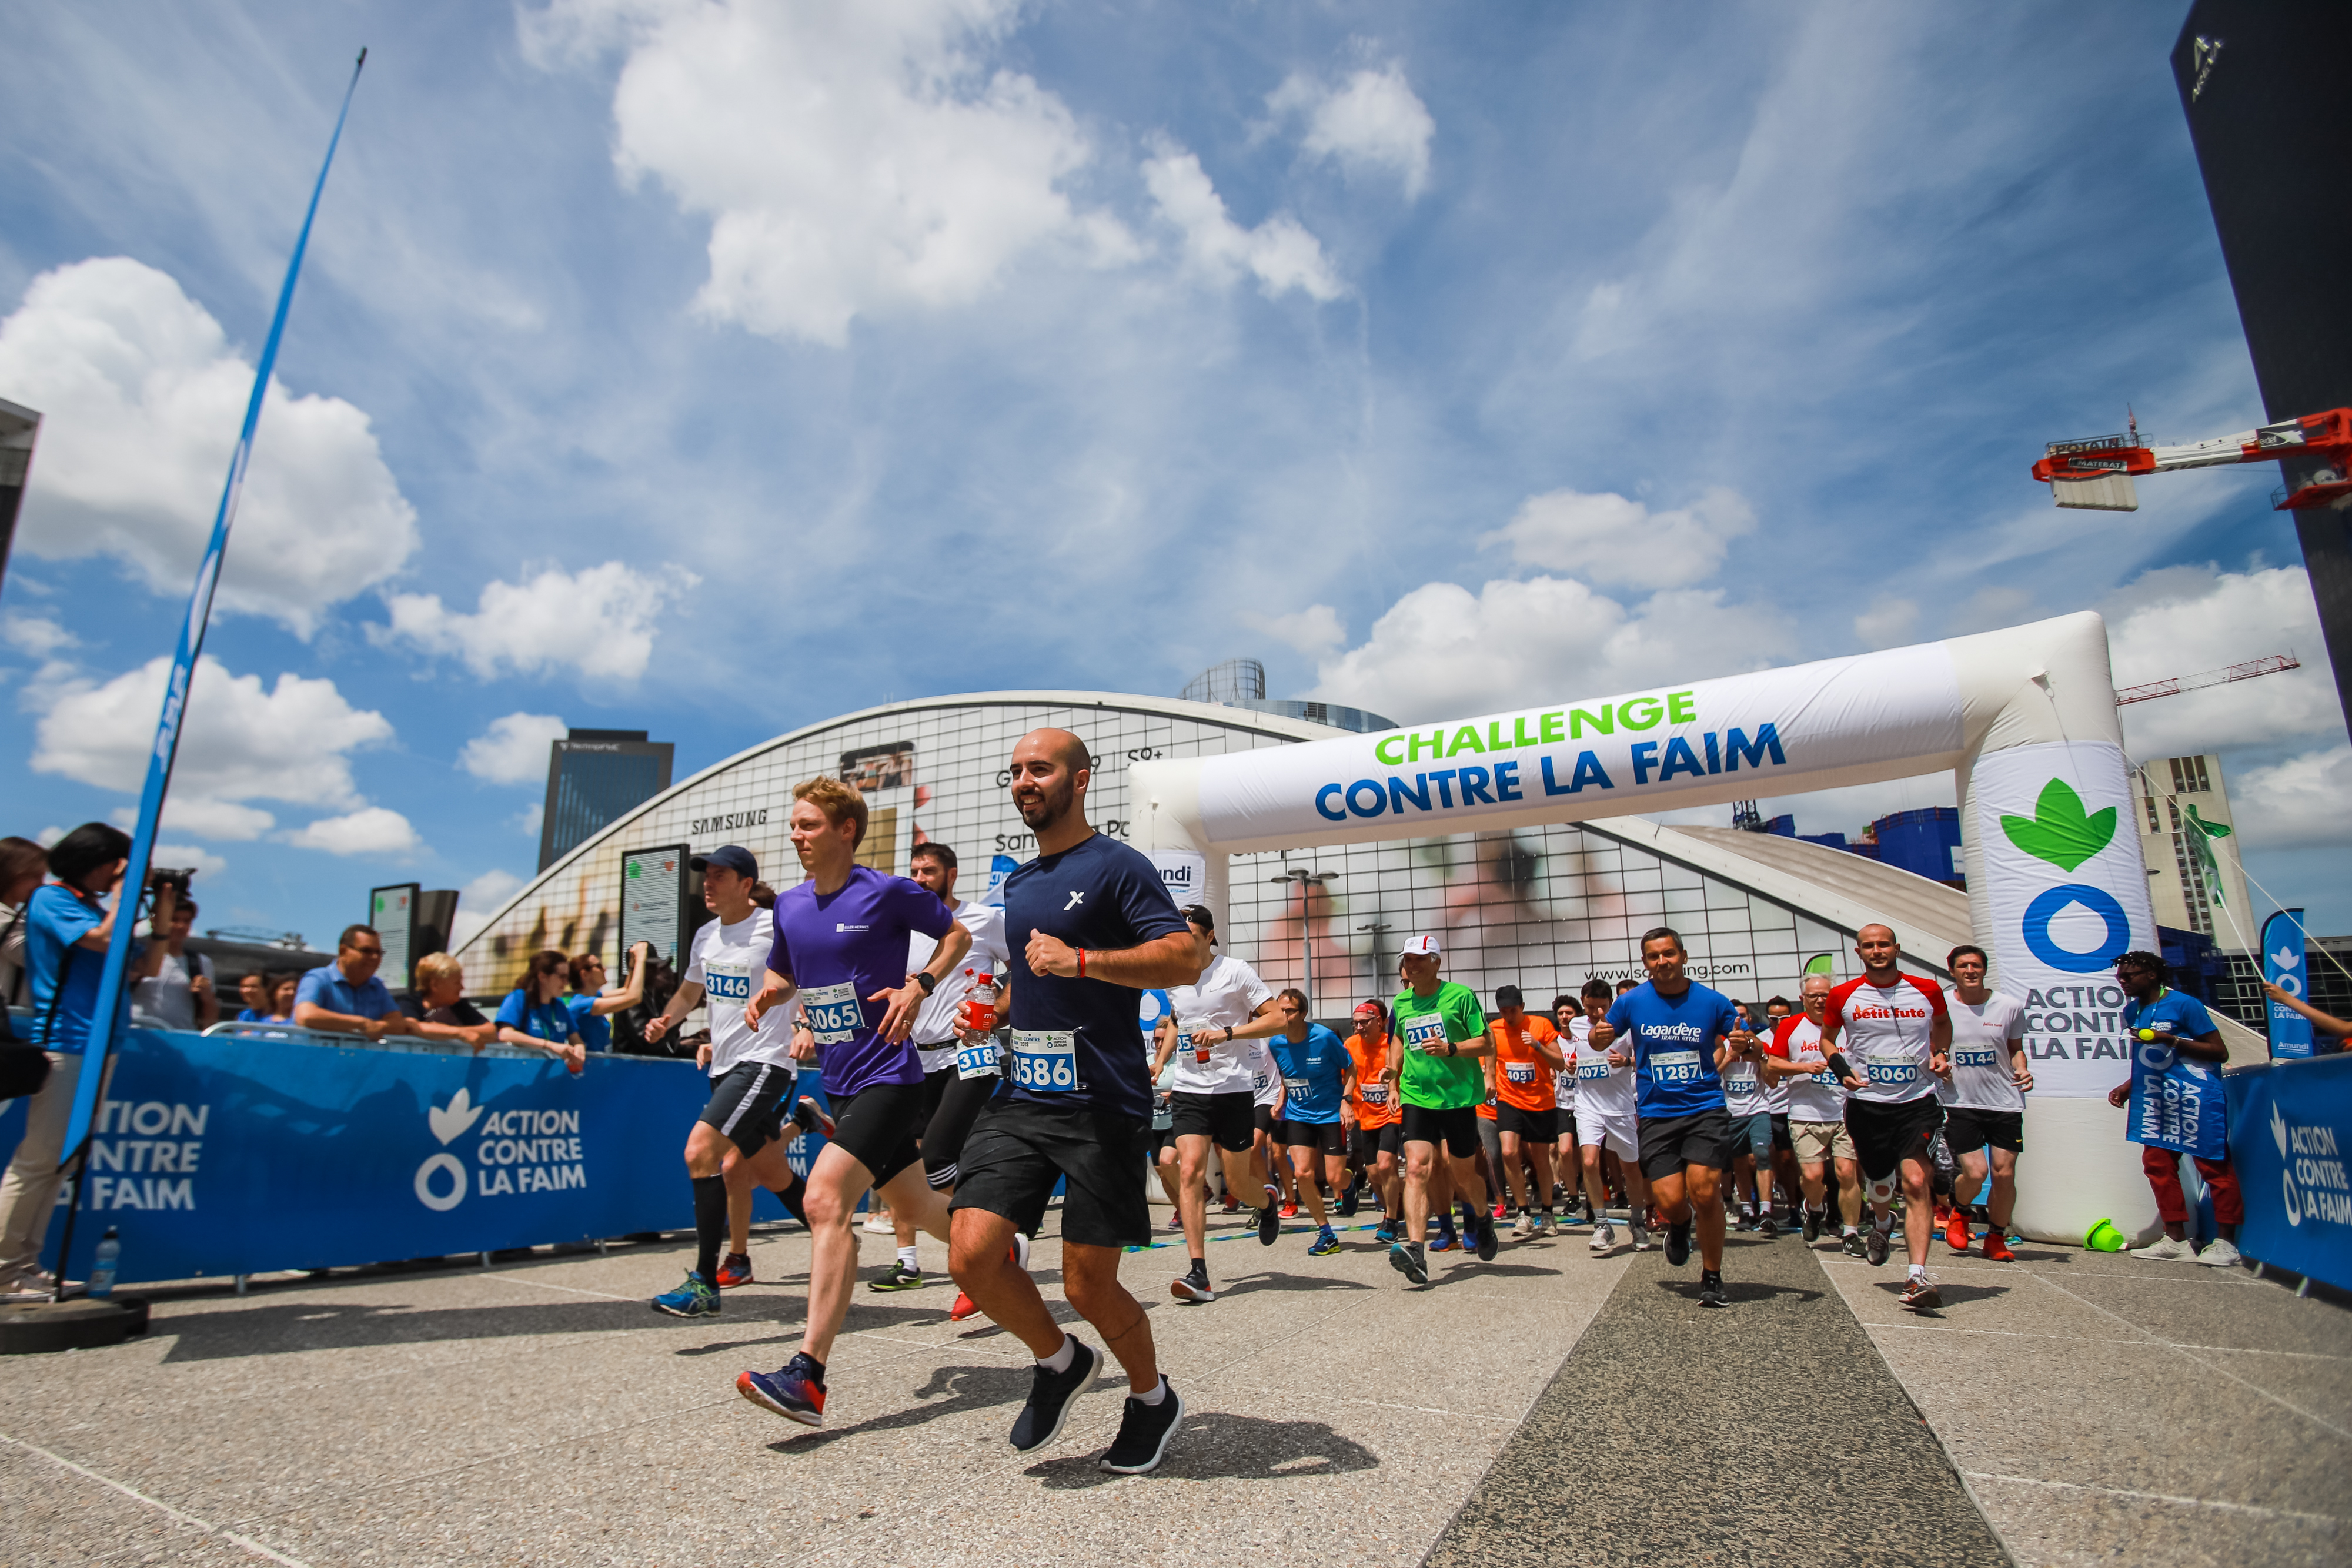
column 1604, row 1237
column 878, row 1225
column 2165, row 1249
column 2222, row 1254
column 1544, row 1227
column 1525, row 1229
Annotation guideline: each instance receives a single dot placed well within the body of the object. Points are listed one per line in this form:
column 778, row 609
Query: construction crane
column 2096, row 473
column 2270, row 664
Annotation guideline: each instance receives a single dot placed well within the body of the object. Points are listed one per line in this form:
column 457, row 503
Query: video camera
column 175, row 877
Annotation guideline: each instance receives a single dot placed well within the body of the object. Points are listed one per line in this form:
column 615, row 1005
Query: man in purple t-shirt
column 841, row 947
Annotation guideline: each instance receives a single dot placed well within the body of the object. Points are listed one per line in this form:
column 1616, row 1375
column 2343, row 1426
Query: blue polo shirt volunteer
column 1311, row 1073
column 325, row 986
column 56, row 918
column 2176, row 1102
column 1671, row 1041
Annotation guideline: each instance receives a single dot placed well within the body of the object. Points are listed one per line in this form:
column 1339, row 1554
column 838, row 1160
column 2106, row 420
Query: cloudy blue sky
column 712, row 368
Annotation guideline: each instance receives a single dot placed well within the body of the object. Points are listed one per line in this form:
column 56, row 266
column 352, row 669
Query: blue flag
column 2286, row 966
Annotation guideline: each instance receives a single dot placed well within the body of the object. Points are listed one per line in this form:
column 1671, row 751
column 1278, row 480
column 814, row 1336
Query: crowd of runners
column 977, row 1056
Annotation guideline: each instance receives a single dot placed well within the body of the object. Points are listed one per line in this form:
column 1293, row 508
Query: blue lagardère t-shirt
column 2176, row 1100
column 842, row 947
column 1078, row 1042
column 56, row 918
column 1671, row 1041
column 549, row 1021
column 1311, row 1070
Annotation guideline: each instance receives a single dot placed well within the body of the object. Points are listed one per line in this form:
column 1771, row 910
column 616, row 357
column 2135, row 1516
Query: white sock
column 1918, row 1271
column 1061, row 1359
column 1159, row 1392
column 1885, row 1221
column 907, row 1256
column 1849, row 1230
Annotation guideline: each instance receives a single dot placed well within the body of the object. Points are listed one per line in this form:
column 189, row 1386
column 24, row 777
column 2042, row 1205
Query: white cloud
column 2298, row 804
column 1442, row 650
column 370, row 831
column 2186, row 620
column 241, row 742
column 601, row 623
column 513, row 750
column 1315, row 631
column 48, row 835
column 203, row 861
column 477, row 901
column 1888, row 622
column 1373, row 121
column 854, row 160
column 532, row 819
column 36, row 634
column 142, row 399
column 1280, row 254
column 1607, row 538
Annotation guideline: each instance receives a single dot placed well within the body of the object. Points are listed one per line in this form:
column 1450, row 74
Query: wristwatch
column 929, row 981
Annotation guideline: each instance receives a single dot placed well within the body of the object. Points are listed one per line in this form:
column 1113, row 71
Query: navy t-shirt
column 1671, row 1042
column 1311, row 1070
column 1101, row 896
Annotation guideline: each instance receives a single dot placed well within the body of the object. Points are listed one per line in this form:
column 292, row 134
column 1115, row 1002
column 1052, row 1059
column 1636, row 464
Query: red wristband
column 1082, row 962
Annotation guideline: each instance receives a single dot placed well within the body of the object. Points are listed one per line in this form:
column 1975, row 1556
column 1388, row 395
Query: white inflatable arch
column 2024, row 717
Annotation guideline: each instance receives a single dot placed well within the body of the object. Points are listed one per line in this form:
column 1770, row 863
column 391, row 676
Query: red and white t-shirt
column 1884, row 1032
column 1820, row 1097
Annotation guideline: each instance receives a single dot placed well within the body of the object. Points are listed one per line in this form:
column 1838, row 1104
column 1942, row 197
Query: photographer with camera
column 69, row 925
column 345, row 997
column 180, row 993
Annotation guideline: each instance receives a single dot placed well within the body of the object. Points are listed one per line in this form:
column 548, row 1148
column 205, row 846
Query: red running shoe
column 736, row 1269
column 1997, row 1246
column 1290, row 1211
column 1955, row 1232
column 965, row 1308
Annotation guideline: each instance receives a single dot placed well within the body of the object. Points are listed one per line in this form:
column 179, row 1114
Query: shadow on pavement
column 1215, row 1444
column 1737, row 1290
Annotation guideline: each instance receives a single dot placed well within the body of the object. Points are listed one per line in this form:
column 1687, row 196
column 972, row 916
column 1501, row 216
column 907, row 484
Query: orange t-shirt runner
column 1521, row 1077
column 1374, row 1103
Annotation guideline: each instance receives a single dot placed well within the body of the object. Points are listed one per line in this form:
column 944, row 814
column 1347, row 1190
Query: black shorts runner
column 951, row 1125
column 748, row 1104
column 1261, row 1118
column 1701, row 1138
column 1020, row 1149
column 1164, row 1140
column 1224, row 1118
column 1543, row 1126
column 1373, row 1141
column 1967, row 1130
column 1886, row 1135
column 934, row 1084
column 1455, row 1126
column 879, row 1125
column 1324, row 1136
column 1781, row 1138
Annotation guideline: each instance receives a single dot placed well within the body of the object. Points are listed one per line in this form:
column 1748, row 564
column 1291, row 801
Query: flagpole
column 160, row 756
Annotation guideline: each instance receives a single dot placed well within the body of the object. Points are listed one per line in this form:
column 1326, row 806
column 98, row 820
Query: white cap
column 1422, row 947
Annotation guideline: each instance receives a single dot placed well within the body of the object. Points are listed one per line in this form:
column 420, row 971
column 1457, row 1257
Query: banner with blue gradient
column 2287, row 964
column 2290, row 1127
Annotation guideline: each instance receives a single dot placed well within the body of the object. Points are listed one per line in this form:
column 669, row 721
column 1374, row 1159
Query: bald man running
column 1091, row 927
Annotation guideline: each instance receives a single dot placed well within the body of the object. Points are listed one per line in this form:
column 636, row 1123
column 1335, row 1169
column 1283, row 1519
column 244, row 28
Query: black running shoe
column 1486, row 1244
column 1851, row 1242
column 1876, row 1241
column 1678, row 1245
column 1143, row 1433
column 1711, row 1292
column 1269, row 1225
column 1814, row 1217
column 1769, row 1228
column 1406, row 1259
column 1050, row 1398
column 1352, row 1198
column 1193, row 1285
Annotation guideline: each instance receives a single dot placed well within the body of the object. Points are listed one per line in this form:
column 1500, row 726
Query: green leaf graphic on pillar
column 2059, row 830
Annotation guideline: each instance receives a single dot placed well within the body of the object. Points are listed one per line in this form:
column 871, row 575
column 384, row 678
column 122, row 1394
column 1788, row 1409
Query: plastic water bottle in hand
column 105, row 1263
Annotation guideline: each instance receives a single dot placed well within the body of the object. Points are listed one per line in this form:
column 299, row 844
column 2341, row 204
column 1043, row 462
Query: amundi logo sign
column 517, row 1152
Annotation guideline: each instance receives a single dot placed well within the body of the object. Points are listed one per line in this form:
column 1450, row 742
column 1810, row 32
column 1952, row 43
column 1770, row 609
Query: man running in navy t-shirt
column 1091, row 927
column 1679, row 1037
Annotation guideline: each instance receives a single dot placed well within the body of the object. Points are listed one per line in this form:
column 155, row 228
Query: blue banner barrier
column 2290, row 1124
column 234, row 1155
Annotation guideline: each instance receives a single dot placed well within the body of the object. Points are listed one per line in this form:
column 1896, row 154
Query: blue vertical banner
column 183, row 669
column 2287, row 966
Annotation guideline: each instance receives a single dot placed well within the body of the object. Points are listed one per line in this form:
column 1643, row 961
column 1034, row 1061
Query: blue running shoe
column 1386, row 1232
column 697, row 1298
column 1446, row 1240
column 1325, row 1243
column 795, row 1391
column 1406, row 1259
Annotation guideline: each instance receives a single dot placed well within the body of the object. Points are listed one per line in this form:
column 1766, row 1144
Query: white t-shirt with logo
column 1884, row 1032
column 730, row 962
column 1602, row 1090
column 1981, row 1071
column 936, row 1020
column 1743, row 1088
column 1226, row 994
column 1818, row 1097
column 1265, row 1077
column 1564, row 1077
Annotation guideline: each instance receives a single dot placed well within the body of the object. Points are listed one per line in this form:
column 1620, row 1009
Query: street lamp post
column 1305, row 880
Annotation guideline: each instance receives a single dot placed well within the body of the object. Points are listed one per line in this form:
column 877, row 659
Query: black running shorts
column 1780, row 1139
column 1225, row 1118
column 1543, row 1126
column 749, row 1103
column 1886, row 1135
column 1019, row 1149
column 1163, row 1143
column 1454, row 1127
column 951, row 1125
column 934, row 1084
column 879, row 1125
column 1701, row 1138
column 1965, row 1131
column 1372, row 1142
column 1261, row 1118
column 1324, row 1136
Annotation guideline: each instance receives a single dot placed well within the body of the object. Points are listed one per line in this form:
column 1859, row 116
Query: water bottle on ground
column 104, row 1264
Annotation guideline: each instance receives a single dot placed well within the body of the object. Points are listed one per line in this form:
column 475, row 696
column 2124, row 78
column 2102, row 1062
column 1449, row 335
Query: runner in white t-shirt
column 1605, row 1122
column 1893, row 1033
column 1567, row 1017
column 1795, row 1064
column 1747, row 1096
column 753, row 1075
column 1216, row 1033
column 1984, row 1104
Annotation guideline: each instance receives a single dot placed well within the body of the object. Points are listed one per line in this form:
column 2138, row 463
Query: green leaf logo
column 2059, row 830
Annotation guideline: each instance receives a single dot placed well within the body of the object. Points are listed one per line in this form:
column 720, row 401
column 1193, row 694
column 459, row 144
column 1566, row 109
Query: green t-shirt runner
column 1439, row 1082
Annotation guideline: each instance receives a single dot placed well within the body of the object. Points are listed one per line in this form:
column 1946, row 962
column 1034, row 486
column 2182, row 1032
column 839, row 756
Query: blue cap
column 734, row 857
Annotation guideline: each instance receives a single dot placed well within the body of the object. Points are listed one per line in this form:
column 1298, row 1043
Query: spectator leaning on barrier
column 345, row 997
column 180, row 994
column 67, row 926
column 253, row 994
column 2177, row 1058
column 447, row 1015
column 22, row 861
column 284, row 987
column 592, row 1002
column 534, row 1015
